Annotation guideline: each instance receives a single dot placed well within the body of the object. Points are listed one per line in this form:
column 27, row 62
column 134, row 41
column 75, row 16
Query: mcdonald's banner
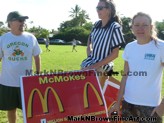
column 72, row 97
column 110, row 92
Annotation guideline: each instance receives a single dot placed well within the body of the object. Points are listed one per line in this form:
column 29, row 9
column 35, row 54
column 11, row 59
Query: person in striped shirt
column 104, row 41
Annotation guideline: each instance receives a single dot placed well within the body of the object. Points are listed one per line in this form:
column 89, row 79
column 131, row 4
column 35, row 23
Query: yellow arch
column 85, row 97
column 113, row 103
column 43, row 100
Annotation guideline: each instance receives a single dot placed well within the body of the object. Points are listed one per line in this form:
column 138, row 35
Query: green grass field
column 62, row 58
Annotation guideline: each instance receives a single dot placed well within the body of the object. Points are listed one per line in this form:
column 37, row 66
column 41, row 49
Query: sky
column 50, row 14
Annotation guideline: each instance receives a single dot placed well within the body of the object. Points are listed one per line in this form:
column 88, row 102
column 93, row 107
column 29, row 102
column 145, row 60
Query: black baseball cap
column 15, row 15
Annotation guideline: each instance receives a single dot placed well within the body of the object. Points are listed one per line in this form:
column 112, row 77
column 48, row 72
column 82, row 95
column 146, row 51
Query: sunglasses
column 101, row 7
column 19, row 20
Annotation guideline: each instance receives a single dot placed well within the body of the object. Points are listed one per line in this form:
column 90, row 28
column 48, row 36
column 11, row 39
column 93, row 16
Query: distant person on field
column 140, row 95
column 74, row 43
column 47, row 42
column 17, row 49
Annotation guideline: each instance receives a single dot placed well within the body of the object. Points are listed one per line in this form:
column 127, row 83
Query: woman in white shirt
column 142, row 80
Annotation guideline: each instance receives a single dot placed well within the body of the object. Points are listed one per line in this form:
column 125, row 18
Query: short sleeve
column 162, row 53
column 118, row 38
column 1, row 53
column 36, row 49
column 125, row 54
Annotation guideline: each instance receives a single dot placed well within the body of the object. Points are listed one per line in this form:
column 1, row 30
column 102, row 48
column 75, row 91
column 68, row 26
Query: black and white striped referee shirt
column 104, row 40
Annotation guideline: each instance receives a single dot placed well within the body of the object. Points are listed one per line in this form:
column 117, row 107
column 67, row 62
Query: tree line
column 79, row 28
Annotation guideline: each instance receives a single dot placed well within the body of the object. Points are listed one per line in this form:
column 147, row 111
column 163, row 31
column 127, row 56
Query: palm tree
column 75, row 11
column 1, row 23
column 79, row 16
column 83, row 16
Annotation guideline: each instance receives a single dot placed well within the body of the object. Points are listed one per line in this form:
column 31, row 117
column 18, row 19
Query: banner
column 110, row 92
column 65, row 97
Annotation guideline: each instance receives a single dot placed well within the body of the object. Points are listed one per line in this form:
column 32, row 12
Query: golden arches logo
column 43, row 100
column 85, row 94
column 112, row 104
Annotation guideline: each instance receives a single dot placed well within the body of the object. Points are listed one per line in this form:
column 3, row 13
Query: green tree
column 3, row 29
column 160, row 29
column 68, row 24
column 79, row 16
column 126, row 28
column 39, row 32
column 1, row 23
column 88, row 26
column 75, row 11
column 83, row 17
column 79, row 33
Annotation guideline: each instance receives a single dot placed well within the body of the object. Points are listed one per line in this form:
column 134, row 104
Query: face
column 17, row 25
column 102, row 10
column 142, row 27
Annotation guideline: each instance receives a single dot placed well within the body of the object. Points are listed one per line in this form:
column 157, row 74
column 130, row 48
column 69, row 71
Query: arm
column 162, row 64
column 89, row 47
column 106, row 60
column 37, row 63
column 159, row 109
column 116, row 107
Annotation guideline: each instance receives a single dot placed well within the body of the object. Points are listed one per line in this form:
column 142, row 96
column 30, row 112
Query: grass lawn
column 62, row 58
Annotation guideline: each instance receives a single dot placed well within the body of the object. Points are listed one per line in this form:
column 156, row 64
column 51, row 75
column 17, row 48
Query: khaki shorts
column 10, row 98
